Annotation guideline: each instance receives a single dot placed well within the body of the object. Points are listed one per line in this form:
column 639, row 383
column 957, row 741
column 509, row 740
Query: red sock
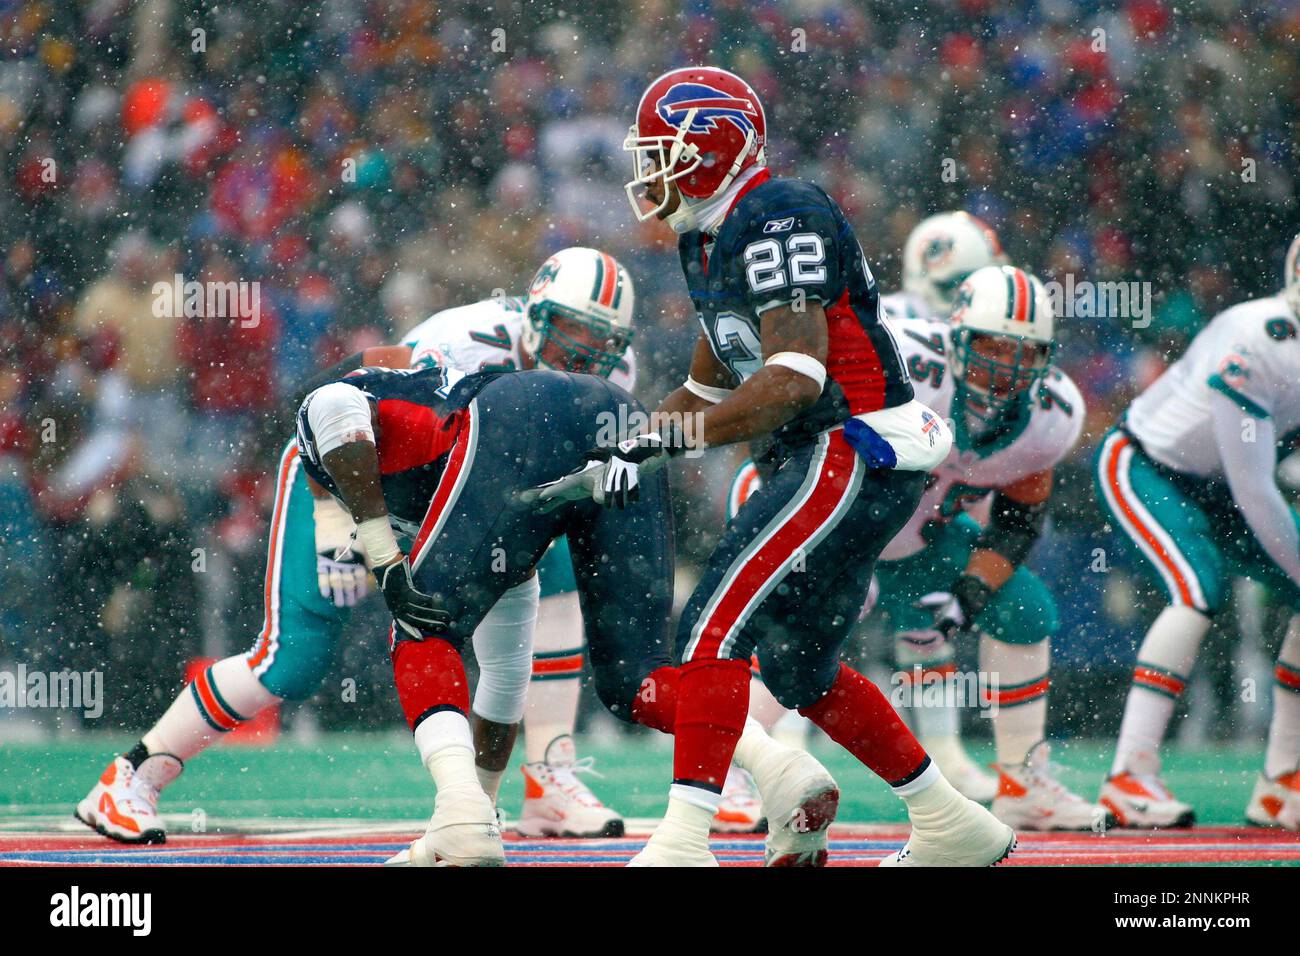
column 430, row 675
column 655, row 704
column 712, row 703
column 858, row 717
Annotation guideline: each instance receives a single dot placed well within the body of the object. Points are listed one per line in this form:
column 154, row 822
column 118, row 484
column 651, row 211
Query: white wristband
column 380, row 542
column 710, row 393
column 802, row 363
column 333, row 525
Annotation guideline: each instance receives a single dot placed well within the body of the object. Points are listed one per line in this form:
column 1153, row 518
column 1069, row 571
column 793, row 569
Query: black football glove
column 415, row 611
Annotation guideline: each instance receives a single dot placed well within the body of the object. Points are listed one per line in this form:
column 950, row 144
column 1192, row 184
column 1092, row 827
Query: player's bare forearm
column 682, row 402
column 354, row 466
column 1013, row 507
column 774, row 394
column 769, row 398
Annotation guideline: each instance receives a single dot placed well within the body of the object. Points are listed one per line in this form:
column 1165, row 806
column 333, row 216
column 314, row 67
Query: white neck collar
column 711, row 213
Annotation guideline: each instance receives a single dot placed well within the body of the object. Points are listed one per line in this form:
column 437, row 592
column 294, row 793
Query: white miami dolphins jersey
column 1042, row 436
column 1250, row 353
column 904, row 305
column 484, row 336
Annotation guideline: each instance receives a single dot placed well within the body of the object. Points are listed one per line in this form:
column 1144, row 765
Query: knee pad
column 503, row 645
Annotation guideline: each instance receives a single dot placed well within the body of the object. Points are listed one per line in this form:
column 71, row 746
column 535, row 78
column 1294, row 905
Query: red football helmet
column 698, row 127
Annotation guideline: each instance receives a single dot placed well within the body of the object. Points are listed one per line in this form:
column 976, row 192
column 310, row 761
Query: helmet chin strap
column 708, row 214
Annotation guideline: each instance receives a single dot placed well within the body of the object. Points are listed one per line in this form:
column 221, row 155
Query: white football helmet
column 942, row 251
column 1291, row 286
column 591, row 296
column 1007, row 303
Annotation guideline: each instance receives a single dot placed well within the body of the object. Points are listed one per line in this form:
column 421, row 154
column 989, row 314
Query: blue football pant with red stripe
column 788, row 580
column 477, row 541
column 789, row 577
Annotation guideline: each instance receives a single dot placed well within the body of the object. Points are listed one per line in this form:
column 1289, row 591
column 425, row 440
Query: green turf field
column 379, row 777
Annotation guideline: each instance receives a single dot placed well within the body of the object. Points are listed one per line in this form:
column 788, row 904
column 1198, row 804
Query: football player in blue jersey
column 792, row 350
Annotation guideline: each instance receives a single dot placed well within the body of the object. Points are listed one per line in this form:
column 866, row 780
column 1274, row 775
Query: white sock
column 1283, row 753
column 551, row 710
column 929, row 794
column 503, row 646
column 220, row 699
column 688, row 818
column 1020, row 673
column 490, row 781
column 447, row 749
column 1164, row 662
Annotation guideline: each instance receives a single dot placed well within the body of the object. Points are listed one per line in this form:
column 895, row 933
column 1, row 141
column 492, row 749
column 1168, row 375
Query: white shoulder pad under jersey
column 970, row 474
column 1251, row 354
column 485, row 336
column 905, row 305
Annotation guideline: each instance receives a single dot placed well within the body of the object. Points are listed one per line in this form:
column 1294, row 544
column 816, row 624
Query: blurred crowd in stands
column 367, row 162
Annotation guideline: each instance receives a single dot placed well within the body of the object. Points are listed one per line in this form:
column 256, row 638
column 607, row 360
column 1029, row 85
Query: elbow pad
column 1013, row 528
column 337, row 414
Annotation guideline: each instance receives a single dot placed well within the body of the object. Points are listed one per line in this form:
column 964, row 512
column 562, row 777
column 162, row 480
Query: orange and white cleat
column 741, row 810
column 1276, row 802
column 123, row 805
column 1140, row 800
column 1030, row 798
column 558, row 804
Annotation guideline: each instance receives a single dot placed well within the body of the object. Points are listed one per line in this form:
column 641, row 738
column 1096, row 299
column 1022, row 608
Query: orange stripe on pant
column 1020, row 695
column 1159, row 679
column 1112, row 479
column 834, row 479
column 287, row 462
column 211, row 705
column 558, row 665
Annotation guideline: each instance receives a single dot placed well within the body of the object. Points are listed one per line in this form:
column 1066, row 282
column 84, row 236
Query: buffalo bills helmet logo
column 710, row 104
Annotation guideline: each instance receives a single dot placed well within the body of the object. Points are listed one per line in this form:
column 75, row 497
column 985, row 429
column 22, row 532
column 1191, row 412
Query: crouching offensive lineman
column 442, row 459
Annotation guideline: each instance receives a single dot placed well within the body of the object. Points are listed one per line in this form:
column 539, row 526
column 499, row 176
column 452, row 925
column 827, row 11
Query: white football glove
column 611, row 476
column 342, row 577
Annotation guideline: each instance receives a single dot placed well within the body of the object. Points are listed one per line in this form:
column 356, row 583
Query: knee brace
column 503, row 645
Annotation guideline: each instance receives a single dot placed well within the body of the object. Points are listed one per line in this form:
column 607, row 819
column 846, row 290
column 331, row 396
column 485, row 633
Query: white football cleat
column 1276, row 803
column 666, row 853
column 1140, row 800
column 463, row 831
column 558, row 804
column 741, row 810
column 1030, row 798
column 123, row 805
column 955, row 832
column 800, row 799
column 965, row 774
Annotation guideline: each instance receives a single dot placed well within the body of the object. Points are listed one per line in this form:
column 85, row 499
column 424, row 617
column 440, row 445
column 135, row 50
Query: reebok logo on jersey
column 779, row 225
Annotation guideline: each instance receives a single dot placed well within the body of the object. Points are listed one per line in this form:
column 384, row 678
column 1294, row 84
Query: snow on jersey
column 1043, row 435
column 1250, row 353
column 485, row 336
